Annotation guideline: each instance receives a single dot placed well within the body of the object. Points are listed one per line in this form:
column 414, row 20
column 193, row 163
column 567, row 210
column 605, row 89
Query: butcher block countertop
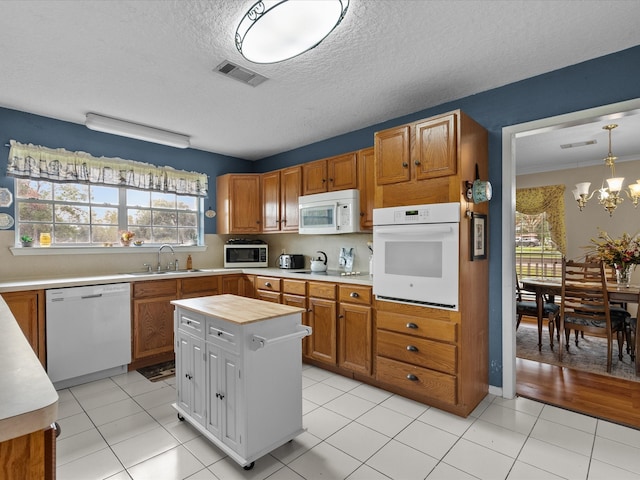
column 28, row 401
column 233, row 308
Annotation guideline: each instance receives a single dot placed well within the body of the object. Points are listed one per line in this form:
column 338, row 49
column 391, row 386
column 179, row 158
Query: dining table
column 552, row 286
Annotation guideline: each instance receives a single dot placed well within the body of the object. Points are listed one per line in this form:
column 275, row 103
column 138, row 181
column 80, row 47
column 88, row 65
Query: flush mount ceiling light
column 104, row 124
column 277, row 30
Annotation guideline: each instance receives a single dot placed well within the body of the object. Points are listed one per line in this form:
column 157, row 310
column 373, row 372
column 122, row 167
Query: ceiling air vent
column 578, row 144
column 239, row 73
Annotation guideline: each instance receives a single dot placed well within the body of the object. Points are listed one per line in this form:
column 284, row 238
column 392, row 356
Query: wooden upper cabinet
column 290, row 190
column 392, row 155
column 435, row 149
column 271, row 201
column 330, row 174
column 238, row 202
column 367, row 185
column 314, row 177
column 280, row 192
column 342, row 172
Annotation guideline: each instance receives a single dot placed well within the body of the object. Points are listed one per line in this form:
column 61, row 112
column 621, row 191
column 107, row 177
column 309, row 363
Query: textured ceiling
column 152, row 62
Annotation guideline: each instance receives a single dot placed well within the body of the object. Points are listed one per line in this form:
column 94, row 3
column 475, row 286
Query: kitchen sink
column 164, row 272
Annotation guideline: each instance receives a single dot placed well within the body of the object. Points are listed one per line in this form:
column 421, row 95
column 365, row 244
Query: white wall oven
column 416, row 257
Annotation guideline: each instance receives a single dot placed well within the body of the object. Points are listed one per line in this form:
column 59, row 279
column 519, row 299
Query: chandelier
column 610, row 196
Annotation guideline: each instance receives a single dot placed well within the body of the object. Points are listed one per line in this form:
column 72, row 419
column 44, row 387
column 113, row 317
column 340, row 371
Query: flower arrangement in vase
column 622, row 254
column 126, row 237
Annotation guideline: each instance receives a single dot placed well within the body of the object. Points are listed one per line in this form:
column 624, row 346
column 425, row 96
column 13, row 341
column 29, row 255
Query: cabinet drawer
column 155, row 288
column 418, row 380
column 419, row 351
column 322, row 290
column 355, row 294
column 191, row 322
column 204, row 285
column 221, row 333
column 268, row 283
column 294, row 287
column 416, row 326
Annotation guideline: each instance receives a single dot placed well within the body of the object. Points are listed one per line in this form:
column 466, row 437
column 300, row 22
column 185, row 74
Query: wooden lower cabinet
column 152, row 322
column 323, row 321
column 238, row 284
column 268, row 289
column 28, row 309
column 199, row 286
column 295, row 295
column 355, row 329
column 31, row 456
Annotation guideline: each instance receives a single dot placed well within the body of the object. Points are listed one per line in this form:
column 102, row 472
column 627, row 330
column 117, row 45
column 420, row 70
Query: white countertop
column 61, row 282
column 28, row 401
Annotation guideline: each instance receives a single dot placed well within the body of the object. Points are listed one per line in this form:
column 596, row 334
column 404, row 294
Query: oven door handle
column 421, row 232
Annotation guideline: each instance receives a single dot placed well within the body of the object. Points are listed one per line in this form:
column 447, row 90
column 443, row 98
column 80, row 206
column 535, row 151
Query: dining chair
column 585, row 307
column 526, row 306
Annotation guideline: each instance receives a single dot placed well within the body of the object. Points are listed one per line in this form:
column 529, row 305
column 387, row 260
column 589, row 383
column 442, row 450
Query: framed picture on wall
column 478, row 236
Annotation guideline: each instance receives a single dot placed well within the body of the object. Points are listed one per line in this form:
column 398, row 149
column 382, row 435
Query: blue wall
column 28, row 128
column 610, row 79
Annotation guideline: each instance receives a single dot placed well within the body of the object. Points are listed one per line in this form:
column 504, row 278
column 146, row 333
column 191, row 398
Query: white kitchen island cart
column 239, row 372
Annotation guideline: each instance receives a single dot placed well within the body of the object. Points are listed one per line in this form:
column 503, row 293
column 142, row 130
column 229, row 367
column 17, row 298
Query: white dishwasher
column 88, row 333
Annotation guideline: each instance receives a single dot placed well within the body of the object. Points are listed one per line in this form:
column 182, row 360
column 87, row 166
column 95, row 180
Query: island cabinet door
column 190, row 376
column 223, row 386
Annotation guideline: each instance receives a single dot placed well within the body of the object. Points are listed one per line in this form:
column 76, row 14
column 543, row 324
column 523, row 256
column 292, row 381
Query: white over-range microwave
column 416, row 254
column 330, row 213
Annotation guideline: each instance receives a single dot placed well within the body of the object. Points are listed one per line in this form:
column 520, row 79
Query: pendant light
column 276, row 30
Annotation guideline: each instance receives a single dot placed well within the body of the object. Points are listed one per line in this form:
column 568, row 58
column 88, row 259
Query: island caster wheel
column 250, row 466
column 181, row 418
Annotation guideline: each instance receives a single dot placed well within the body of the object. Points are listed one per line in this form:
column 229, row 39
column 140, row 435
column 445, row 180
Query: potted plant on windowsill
column 26, row 240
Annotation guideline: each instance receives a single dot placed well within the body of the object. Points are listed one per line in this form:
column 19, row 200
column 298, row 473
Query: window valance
column 60, row 165
column 549, row 199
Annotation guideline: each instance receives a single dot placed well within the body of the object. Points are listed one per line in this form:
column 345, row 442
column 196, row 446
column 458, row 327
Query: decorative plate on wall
column 6, row 221
column 6, row 198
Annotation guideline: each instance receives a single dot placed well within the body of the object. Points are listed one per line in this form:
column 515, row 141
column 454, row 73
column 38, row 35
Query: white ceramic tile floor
column 124, row 428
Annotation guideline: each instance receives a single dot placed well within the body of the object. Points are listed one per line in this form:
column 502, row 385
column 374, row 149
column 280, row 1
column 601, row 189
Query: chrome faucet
column 160, row 251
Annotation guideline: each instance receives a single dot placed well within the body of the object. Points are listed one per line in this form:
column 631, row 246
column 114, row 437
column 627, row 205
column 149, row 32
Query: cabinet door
column 24, row 307
column 314, row 177
column 236, row 284
column 245, row 204
column 392, row 153
column 290, row 190
column 367, row 185
column 355, row 327
column 214, row 405
column 199, row 286
column 342, row 172
column 322, row 317
column 152, row 326
column 436, row 148
column 271, row 216
column 230, row 400
column 191, row 376
column 300, row 302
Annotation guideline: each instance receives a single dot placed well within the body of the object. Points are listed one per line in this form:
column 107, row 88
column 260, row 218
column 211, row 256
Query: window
column 93, row 215
column 540, row 231
column 537, row 255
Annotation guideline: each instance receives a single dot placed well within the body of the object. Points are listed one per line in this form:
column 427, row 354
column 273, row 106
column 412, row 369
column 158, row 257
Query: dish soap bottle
column 189, row 263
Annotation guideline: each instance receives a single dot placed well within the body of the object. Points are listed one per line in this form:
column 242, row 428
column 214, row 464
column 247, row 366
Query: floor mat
column 158, row 372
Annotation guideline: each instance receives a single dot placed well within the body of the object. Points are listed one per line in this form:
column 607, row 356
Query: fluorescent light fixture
column 104, row 124
column 276, row 30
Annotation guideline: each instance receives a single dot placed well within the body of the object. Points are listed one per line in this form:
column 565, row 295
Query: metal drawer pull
column 354, row 295
column 411, row 348
column 219, row 333
column 412, row 377
column 189, row 377
column 412, row 325
column 267, row 284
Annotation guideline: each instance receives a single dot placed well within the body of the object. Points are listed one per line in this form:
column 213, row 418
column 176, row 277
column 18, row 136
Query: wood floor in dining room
column 601, row 396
